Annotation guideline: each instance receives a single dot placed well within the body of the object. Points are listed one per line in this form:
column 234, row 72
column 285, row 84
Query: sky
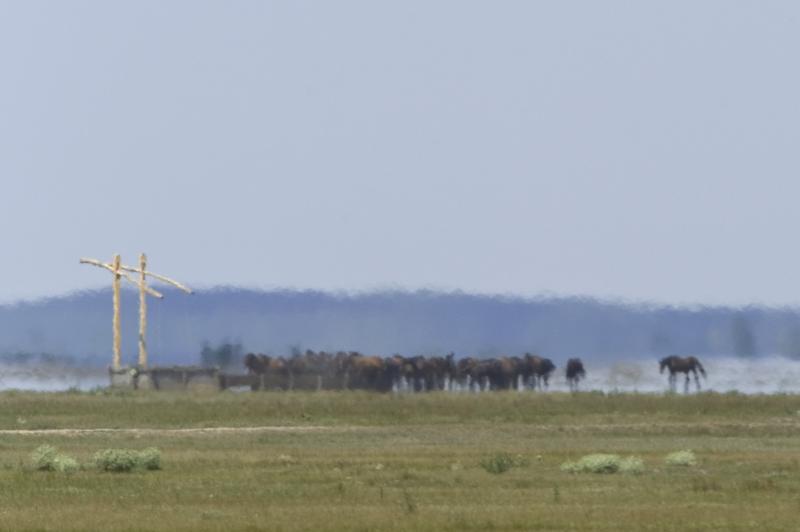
column 642, row 151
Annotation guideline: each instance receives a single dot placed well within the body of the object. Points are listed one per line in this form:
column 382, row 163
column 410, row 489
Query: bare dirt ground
column 785, row 424
column 153, row 431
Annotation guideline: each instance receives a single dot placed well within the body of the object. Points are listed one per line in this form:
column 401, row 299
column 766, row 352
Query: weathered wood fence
column 193, row 377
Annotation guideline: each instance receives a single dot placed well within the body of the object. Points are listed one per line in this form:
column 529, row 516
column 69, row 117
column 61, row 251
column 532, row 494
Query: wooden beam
column 121, row 273
column 159, row 277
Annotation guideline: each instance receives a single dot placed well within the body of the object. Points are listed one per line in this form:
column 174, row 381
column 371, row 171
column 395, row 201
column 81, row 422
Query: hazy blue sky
column 642, row 150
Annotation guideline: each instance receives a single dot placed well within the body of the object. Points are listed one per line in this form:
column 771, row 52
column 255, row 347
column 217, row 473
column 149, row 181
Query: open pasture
column 365, row 461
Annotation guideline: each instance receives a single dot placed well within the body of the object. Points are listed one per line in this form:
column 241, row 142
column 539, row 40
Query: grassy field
column 364, row 461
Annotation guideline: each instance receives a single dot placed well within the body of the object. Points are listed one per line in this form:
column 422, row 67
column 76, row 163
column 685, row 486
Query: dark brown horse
column 254, row 364
column 575, row 372
column 685, row 365
column 540, row 369
column 475, row 373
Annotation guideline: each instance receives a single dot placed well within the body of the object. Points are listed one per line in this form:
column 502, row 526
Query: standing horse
column 540, row 370
column 575, row 372
column 685, row 365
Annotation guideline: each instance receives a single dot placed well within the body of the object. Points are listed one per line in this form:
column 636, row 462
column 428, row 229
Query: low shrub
column 605, row 464
column 632, row 465
column 124, row 460
column 150, row 459
column 502, row 462
column 44, row 458
column 684, row 458
column 594, row 463
column 47, row 458
column 116, row 460
column 66, row 464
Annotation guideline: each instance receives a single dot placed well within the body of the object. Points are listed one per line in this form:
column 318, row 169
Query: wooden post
column 120, row 271
column 142, row 312
column 116, row 361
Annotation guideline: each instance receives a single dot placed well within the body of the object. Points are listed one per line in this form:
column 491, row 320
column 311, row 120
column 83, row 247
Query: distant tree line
column 25, row 358
column 225, row 355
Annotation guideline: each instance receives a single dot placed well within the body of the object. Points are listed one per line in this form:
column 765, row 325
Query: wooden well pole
column 116, row 361
column 143, row 312
column 143, row 291
column 120, row 271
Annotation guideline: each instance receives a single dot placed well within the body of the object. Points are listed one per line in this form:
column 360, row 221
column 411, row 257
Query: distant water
column 51, row 378
column 751, row 376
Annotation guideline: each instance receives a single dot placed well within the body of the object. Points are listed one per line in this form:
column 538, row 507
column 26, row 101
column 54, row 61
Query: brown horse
column 575, row 372
column 366, row 372
column 685, row 365
column 266, row 366
column 540, row 369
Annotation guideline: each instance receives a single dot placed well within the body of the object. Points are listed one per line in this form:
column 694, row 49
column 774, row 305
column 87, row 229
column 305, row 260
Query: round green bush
column 116, row 460
column 604, row 463
column 66, row 464
column 502, row 462
column 44, row 458
column 47, row 458
column 123, row 460
column 684, row 458
column 631, row 465
column 150, row 459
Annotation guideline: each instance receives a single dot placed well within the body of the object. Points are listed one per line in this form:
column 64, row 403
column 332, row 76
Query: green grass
column 422, row 462
column 27, row 410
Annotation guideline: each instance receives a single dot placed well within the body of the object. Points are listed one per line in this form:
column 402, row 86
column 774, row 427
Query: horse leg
column 686, row 384
column 697, row 380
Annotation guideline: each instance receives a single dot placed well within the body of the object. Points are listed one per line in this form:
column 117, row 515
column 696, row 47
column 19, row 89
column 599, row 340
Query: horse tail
column 701, row 368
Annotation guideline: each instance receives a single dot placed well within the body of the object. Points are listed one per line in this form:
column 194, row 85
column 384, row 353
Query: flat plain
column 366, row 461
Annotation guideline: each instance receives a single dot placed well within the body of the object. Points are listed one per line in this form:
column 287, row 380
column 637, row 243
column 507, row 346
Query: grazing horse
column 575, row 372
column 676, row 364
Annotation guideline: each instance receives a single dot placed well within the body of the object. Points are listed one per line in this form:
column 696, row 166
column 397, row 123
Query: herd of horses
column 353, row 370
